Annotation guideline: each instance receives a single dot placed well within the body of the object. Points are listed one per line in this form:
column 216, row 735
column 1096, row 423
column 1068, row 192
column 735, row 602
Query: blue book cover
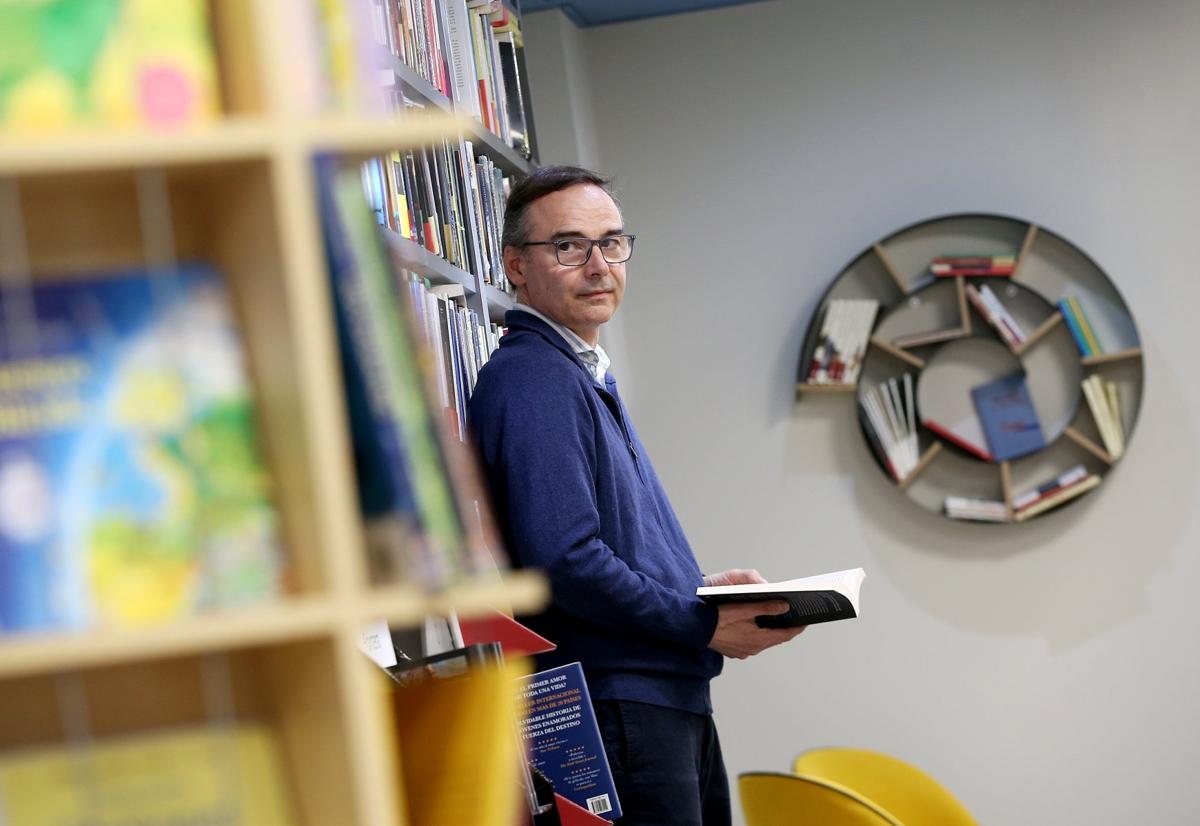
column 1010, row 422
column 564, row 740
column 131, row 487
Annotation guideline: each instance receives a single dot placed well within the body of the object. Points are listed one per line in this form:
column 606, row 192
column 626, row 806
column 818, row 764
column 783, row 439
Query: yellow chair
column 772, row 799
column 907, row 794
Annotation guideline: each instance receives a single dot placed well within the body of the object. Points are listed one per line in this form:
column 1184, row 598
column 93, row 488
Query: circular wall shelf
column 997, row 371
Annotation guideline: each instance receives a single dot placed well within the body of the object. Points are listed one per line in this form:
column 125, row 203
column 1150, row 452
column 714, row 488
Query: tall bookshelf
column 241, row 194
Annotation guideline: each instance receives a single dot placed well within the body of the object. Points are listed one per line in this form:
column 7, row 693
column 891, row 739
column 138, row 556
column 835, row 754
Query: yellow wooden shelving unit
column 240, row 194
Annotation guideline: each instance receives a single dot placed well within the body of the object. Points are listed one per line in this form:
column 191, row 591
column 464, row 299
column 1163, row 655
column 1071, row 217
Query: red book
column 957, row 439
column 572, row 814
column 514, row 638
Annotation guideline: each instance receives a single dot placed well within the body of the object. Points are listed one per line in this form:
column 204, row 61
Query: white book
column 814, row 599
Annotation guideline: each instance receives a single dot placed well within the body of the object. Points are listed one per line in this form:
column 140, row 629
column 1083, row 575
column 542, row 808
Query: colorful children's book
column 131, row 488
column 564, row 740
column 66, row 63
column 1009, row 419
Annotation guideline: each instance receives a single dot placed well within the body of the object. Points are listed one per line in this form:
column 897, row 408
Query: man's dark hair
column 543, row 181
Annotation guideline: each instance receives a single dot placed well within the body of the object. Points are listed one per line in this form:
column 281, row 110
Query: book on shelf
column 993, row 311
column 446, row 198
column 81, row 63
column 1104, row 400
column 426, row 516
column 467, row 51
column 1080, row 327
column 1069, row 477
column 1006, row 412
column 1057, row 498
column 208, row 773
column 132, row 488
column 973, row 265
column 965, row 433
column 563, row 738
column 888, row 414
column 845, row 330
column 457, row 740
column 976, row 510
column 814, row 599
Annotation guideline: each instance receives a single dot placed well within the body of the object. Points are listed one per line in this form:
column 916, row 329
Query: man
column 575, row 495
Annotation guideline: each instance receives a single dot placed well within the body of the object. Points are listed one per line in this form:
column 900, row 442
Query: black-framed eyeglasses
column 575, row 251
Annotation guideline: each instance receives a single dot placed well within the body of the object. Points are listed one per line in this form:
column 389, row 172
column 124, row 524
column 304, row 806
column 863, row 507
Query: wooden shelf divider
column 1045, row 327
column 891, row 270
column 927, row 457
column 1030, row 235
column 1090, row 446
column 898, row 352
column 830, row 389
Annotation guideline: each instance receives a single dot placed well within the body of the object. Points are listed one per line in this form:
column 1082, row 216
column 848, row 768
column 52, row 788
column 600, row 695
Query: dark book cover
column 1010, row 422
column 564, row 740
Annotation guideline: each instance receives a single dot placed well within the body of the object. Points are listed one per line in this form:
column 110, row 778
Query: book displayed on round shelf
column 996, row 369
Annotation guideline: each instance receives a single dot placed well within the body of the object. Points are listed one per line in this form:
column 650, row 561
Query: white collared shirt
column 594, row 357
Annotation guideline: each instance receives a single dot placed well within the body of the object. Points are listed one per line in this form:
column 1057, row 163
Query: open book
column 813, row 599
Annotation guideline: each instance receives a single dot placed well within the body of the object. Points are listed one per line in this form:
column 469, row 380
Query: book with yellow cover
column 206, row 774
column 68, row 63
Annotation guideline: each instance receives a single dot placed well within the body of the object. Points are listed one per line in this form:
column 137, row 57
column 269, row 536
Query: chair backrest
column 773, row 799
column 902, row 790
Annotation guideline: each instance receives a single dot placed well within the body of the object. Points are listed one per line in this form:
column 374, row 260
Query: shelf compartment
column 1044, row 328
column 1090, row 446
column 1108, row 358
column 898, row 352
column 1030, row 236
column 890, row 268
column 483, row 140
column 410, row 255
column 1073, row 493
column 927, row 457
column 290, row 686
column 498, row 302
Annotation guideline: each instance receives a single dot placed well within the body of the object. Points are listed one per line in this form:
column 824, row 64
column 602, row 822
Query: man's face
column 580, row 298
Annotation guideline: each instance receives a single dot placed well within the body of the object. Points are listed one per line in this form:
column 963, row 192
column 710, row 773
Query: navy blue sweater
column 576, row 497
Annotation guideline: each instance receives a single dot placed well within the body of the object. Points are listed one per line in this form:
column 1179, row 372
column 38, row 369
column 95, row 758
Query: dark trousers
column 666, row 765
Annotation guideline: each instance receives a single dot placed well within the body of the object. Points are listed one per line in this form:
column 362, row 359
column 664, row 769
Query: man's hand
column 735, row 576
column 739, row 637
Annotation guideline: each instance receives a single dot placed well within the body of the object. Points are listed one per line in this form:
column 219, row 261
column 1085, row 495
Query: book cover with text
column 131, row 488
column 564, row 740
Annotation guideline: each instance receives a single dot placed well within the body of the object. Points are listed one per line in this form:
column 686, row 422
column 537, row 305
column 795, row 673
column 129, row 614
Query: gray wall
column 1046, row 673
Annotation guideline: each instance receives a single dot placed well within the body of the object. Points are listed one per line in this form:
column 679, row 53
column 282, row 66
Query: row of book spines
column 1036, row 502
column 453, row 45
column 888, row 414
column 437, row 197
column 845, row 329
column 1081, row 329
column 458, row 342
column 1104, row 400
column 996, row 314
column 973, row 265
